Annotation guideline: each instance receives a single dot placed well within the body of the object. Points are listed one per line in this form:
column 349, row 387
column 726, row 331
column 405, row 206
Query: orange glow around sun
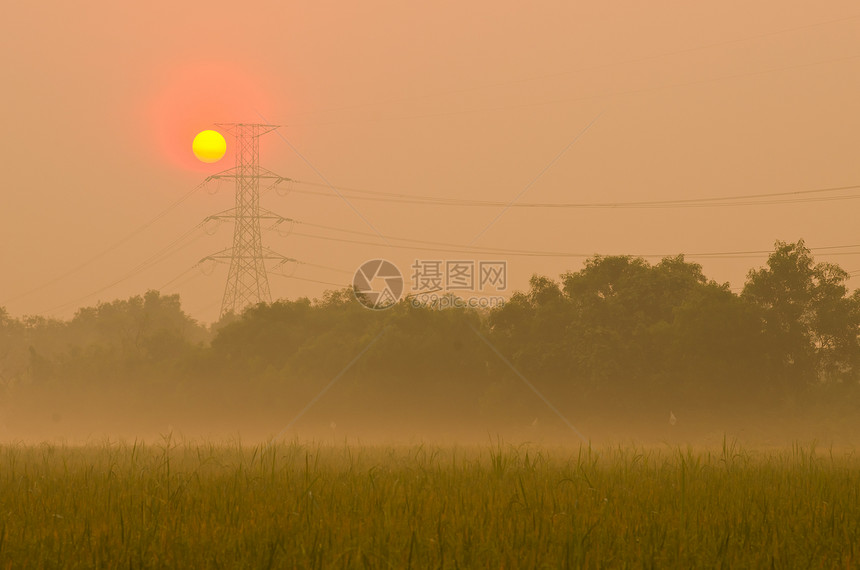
column 192, row 99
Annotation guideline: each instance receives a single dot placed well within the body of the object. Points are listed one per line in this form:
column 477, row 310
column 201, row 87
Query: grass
column 207, row 505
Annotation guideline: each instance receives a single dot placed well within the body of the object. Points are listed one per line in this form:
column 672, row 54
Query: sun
column 209, row 146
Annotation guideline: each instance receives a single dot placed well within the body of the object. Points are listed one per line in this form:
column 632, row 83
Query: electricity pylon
column 247, row 280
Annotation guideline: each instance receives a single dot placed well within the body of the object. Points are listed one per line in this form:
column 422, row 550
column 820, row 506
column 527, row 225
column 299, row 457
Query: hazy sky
column 465, row 100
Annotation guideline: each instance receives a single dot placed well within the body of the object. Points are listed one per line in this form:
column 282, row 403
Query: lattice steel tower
column 247, row 281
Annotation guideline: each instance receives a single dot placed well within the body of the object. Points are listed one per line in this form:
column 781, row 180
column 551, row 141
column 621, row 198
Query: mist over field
column 620, row 351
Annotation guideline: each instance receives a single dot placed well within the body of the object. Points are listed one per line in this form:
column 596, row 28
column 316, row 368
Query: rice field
column 176, row 504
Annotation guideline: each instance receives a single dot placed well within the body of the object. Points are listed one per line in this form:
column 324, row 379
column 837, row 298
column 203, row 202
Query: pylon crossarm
column 219, row 175
column 259, row 128
column 226, row 214
column 266, row 173
column 284, row 261
column 277, row 178
column 264, row 215
column 228, row 255
column 269, row 215
column 223, row 255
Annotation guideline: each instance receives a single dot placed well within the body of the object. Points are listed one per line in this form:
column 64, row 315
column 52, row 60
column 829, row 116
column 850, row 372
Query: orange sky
column 449, row 99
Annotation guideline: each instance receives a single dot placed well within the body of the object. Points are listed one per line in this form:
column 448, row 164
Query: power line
column 310, row 280
column 152, row 260
column 184, row 281
column 318, row 266
column 424, row 245
column 329, row 184
column 531, row 182
column 112, row 247
column 712, row 201
column 269, row 255
column 166, row 252
column 457, row 248
column 426, row 242
column 444, row 246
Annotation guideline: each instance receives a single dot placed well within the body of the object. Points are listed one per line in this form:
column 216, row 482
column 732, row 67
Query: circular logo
column 377, row 284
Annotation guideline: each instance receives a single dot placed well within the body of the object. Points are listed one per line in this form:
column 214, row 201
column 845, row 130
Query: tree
column 621, row 305
column 533, row 329
column 811, row 322
column 13, row 352
column 715, row 346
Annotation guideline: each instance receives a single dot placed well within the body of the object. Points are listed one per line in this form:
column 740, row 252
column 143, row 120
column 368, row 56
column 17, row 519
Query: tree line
column 618, row 332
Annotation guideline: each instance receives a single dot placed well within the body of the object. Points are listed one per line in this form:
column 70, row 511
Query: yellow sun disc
column 209, row 146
